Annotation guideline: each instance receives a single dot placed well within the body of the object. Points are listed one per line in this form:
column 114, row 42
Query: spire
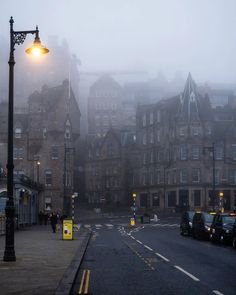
column 189, row 102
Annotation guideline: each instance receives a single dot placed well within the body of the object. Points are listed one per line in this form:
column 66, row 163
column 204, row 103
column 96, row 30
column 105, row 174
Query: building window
column 144, row 158
column 151, row 118
column 144, row 139
column 158, row 176
column 144, row 179
column 195, row 152
column 151, row 178
column 196, row 175
column 48, row 177
column 217, row 176
column 151, row 157
column 195, row 131
column 18, row 132
column 183, row 175
column 208, row 130
column 181, row 131
column 219, row 153
column 232, row 176
column 48, row 204
column 151, row 137
column 158, row 116
column 171, row 197
column 18, row 153
column 233, row 152
column 55, row 152
column 144, row 120
column 155, row 200
column 183, row 153
column 44, row 132
column 158, row 135
column 67, row 133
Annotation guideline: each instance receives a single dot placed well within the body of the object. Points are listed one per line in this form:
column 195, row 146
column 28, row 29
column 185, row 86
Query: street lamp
column 16, row 38
column 38, row 163
column 134, row 204
column 212, row 150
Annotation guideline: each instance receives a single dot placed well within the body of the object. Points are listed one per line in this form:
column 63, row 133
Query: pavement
column 45, row 264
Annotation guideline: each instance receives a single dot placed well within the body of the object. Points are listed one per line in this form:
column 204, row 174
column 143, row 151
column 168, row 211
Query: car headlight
column 227, row 231
column 207, row 228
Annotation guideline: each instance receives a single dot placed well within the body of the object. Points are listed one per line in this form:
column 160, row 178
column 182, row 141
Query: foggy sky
column 197, row 36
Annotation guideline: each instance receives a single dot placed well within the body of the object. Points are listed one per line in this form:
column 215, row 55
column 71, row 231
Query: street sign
column 67, row 229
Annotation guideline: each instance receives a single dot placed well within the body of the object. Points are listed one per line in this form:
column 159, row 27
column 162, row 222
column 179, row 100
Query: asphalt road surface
column 153, row 259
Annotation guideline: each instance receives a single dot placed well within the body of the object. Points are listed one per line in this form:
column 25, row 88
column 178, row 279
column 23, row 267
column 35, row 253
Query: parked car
column 186, row 223
column 222, row 227
column 202, row 225
column 234, row 235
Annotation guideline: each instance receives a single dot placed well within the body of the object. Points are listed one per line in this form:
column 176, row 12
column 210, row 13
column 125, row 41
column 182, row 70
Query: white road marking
column 98, row 225
column 163, row 257
column 148, row 247
column 109, row 225
column 187, row 273
column 87, row 225
column 139, row 242
column 217, row 292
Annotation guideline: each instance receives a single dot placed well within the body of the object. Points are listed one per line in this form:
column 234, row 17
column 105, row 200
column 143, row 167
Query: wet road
column 153, row 259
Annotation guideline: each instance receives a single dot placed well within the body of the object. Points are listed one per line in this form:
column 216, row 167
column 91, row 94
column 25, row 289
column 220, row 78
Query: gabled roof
column 104, row 82
column 193, row 107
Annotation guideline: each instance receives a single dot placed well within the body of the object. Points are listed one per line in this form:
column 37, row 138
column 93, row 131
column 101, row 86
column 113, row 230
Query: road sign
column 67, row 229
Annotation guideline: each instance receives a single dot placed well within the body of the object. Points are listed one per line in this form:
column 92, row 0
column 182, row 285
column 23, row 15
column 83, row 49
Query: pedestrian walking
column 53, row 220
column 45, row 218
column 40, row 217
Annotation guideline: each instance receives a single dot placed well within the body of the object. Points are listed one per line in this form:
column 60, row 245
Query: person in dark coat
column 53, row 220
column 40, row 218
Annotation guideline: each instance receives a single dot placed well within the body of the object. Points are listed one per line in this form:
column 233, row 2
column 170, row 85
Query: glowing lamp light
column 37, row 48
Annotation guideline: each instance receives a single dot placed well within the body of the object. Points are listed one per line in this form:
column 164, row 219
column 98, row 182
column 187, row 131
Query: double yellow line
column 83, row 289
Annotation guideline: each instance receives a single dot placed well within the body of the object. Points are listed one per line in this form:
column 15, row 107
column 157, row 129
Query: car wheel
column 212, row 238
column 181, row 231
column 234, row 242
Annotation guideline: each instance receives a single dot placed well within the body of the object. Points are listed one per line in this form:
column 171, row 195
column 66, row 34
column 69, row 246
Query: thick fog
column 155, row 35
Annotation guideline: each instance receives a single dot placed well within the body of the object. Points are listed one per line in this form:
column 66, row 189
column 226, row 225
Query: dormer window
column 67, row 133
column 18, row 132
column 44, row 132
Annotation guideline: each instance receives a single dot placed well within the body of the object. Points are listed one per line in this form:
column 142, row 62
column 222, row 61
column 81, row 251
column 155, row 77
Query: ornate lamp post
column 16, row 37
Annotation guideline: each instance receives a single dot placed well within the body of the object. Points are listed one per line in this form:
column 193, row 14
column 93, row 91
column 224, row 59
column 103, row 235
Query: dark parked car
column 234, row 235
column 222, row 227
column 202, row 225
column 186, row 223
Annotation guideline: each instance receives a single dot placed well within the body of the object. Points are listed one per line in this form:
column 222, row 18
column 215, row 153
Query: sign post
column 67, row 229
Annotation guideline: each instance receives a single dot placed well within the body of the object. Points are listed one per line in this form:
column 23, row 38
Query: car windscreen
column 208, row 217
column 190, row 214
column 228, row 219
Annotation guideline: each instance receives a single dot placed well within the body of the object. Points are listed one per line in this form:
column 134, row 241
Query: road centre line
column 163, row 257
column 148, row 248
column 139, row 242
column 187, row 273
column 217, row 292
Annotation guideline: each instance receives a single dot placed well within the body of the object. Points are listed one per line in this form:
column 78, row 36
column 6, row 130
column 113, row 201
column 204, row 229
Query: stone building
column 108, row 107
column 44, row 144
column 106, row 168
column 186, row 153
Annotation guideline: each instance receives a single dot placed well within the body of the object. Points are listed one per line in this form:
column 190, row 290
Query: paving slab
column 43, row 260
